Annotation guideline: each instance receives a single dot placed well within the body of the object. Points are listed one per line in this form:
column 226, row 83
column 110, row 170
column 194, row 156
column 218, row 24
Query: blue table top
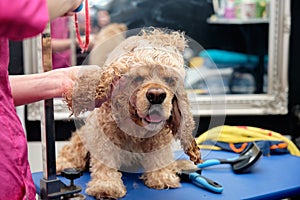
column 273, row 177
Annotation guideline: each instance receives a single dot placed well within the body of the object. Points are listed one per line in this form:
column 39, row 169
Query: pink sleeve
column 23, row 18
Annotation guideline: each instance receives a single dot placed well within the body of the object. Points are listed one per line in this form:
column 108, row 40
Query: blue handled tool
column 79, row 8
column 194, row 176
column 241, row 164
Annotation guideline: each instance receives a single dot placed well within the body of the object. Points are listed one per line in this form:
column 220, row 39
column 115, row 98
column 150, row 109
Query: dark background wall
column 285, row 124
column 294, row 72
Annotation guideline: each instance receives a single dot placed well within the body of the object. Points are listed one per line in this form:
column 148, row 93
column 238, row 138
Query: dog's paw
column 160, row 180
column 106, row 189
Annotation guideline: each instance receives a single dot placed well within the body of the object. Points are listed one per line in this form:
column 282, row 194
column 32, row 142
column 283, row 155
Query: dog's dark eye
column 170, row 80
column 139, row 79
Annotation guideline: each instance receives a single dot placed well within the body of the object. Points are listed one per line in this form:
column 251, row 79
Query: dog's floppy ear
column 92, row 88
column 107, row 81
column 182, row 125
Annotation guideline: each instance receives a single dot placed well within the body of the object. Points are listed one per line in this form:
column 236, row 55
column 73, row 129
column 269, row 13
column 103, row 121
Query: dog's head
column 152, row 77
column 143, row 100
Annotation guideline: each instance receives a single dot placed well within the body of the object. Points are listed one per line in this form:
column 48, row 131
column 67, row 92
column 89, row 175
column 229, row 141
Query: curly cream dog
column 142, row 107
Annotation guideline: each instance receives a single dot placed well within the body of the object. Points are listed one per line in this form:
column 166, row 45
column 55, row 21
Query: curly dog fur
column 141, row 107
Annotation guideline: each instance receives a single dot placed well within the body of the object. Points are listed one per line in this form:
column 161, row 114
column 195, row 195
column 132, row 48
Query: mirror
column 254, row 82
column 270, row 100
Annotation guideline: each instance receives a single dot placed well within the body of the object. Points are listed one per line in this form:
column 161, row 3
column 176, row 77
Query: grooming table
column 273, row 177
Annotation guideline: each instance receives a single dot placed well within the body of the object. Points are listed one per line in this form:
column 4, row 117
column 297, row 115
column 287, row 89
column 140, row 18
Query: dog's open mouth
column 154, row 117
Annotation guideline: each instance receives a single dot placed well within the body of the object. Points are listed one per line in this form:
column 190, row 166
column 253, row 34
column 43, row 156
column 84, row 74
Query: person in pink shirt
column 61, row 43
column 18, row 20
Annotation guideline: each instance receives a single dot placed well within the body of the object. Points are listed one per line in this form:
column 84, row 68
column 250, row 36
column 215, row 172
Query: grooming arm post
column 49, row 183
column 47, row 125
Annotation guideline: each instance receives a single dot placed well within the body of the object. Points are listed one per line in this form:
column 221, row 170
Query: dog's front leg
column 72, row 155
column 160, row 170
column 162, row 178
column 105, row 182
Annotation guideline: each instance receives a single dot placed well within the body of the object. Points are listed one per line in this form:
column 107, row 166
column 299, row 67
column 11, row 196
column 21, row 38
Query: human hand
column 78, row 86
column 65, row 79
column 59, row 8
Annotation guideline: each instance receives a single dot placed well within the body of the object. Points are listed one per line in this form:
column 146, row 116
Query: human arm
column 59, row 45
column 35, row 87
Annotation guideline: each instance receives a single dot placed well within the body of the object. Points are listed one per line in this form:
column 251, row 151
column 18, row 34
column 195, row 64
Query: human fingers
column 59, row 8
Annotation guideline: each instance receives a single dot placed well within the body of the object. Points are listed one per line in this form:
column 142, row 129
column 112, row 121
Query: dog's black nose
column 156, row 95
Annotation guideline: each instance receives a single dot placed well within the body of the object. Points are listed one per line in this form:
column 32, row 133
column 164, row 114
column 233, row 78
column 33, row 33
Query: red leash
column 83, row 46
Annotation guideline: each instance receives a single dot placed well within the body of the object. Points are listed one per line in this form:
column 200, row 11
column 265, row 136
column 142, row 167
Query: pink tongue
column 154, row 118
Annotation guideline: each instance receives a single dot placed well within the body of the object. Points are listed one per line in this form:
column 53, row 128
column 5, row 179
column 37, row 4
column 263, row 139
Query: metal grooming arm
column 51, row 186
